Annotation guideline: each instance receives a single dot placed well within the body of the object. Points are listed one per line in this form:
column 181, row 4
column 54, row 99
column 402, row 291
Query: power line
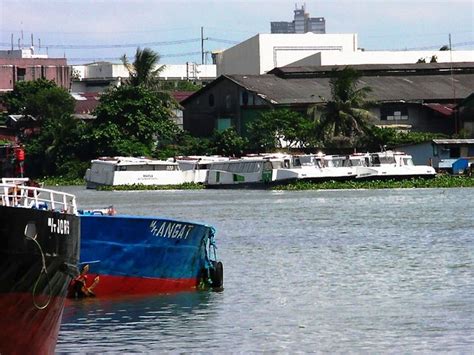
column 459, row 44
column 222, row 40
column 172, row 55
column 164, row 29
column 108, row 46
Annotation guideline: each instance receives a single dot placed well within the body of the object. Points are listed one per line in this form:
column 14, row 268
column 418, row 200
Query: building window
column 245, row 98
column 228, row 102
column 454, row 152
column 20, row 74
column 211, row 100
column 393, row 113
column 223, row 124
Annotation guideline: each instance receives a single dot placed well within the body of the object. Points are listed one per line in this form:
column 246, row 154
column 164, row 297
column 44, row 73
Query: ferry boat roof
column 201, row 158
column 131, row 161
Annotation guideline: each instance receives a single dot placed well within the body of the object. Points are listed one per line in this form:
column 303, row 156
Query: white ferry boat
column 195, row 168
column 250, row 171
column 317, row 167
column 115, row 171
column 392, row 165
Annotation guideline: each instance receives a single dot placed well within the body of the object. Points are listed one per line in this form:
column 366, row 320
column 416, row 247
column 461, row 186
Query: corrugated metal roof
column 372, row 68
column 453, row 141
column 85, row 102
column 413, row 88
column 446, row 110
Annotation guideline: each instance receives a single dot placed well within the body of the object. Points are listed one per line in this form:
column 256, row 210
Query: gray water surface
column 310, row 271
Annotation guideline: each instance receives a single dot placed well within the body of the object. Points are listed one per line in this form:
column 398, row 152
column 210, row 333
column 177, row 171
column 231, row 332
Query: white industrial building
column 263, row 52
column 383, row 57
column 94, row 77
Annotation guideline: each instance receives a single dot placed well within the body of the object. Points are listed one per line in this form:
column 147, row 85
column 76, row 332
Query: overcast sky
column 67, row 26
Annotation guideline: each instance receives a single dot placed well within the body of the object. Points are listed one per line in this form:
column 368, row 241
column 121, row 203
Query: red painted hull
column 24, row 329
column 35, row 273
column 122, row 285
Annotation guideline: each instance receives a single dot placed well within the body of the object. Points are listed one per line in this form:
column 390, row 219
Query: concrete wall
column 244, row 58
column 263, row 52
column 277, row 50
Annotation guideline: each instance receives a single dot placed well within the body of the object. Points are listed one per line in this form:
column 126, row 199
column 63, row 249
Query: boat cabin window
column 375, row 160
column 157, row 167
column 267, row 165
column 277, row 165
column 387, row 160
column 238, row 167
column 355, row 162
column 407, row 161
column 334, row 163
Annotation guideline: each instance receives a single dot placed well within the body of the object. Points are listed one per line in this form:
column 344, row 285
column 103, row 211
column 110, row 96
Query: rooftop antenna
column 19, row 43
column 12, row 40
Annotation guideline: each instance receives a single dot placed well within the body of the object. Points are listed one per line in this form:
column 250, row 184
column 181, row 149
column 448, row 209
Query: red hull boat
column 39, row 250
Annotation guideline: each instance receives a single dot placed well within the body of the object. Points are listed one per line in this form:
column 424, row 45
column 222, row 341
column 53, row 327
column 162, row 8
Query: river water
column 309, row 271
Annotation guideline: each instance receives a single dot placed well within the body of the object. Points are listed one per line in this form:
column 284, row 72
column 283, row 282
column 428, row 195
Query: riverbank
column 441, row 181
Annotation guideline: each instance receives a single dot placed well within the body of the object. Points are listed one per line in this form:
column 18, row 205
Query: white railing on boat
column 17, row 195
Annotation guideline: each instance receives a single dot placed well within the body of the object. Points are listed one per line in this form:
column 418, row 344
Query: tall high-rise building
column 302, row 23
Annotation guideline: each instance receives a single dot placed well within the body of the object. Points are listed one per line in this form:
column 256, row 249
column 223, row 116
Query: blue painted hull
column 142, row 255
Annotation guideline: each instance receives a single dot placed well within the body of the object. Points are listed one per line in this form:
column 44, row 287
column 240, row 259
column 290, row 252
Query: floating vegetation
column 135, row 187
column 60, row 181
column 440, row 181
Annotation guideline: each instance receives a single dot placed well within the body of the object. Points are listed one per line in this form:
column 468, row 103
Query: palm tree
column 142, row 71
column 345, row 116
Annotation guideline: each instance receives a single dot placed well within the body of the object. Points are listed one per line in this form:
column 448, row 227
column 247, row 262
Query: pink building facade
column 16, row 66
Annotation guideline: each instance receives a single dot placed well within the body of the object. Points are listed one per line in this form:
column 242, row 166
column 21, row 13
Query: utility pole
column 202, row 45
column 453, row 86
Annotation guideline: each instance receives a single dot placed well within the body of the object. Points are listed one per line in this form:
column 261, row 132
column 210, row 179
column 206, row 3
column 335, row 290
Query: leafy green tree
column 182, row 85
column 344, row 118
column 28, row 98
column 274, row 127
column 144, row 70
column 133, row 120
column 391, row 138
column 59, row 148
column 58, row 142
column 228, row 143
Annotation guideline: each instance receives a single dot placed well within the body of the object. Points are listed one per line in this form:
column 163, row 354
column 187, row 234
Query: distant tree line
column 134, row 119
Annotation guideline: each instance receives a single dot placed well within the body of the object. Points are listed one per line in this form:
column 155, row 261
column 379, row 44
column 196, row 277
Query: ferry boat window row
column 240, row 167
column 147, row 167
